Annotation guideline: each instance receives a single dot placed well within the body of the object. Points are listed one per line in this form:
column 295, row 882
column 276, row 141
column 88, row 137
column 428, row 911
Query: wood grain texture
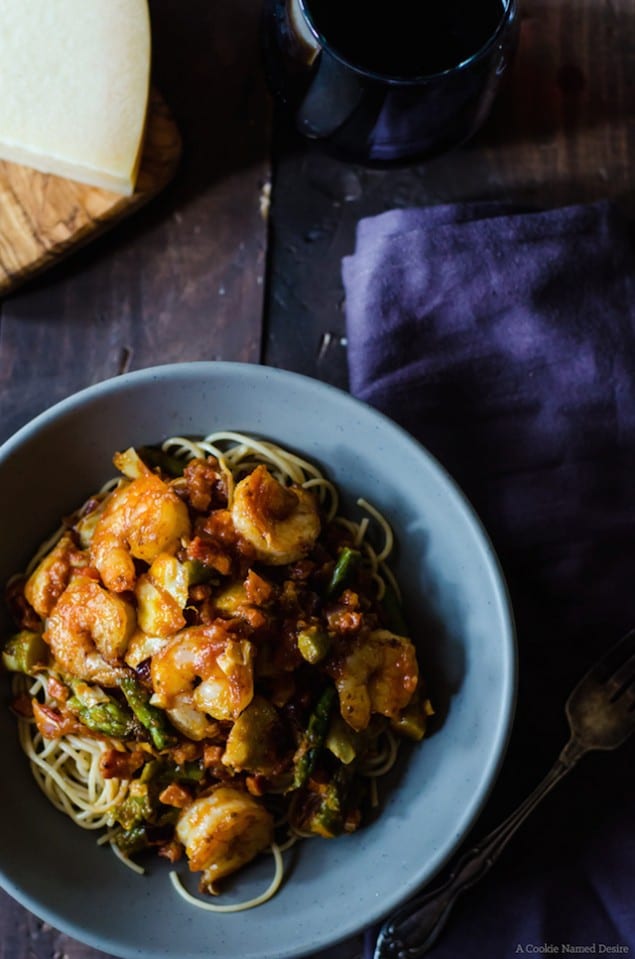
column 44, row 218
column 562, row 131
column 183, row 279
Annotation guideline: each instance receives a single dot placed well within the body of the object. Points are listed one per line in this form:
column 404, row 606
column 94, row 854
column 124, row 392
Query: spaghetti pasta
column 67, row 768
column 270, row 891
column 210, row 662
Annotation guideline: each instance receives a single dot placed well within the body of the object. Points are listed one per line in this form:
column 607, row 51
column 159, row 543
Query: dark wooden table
column 213, row 270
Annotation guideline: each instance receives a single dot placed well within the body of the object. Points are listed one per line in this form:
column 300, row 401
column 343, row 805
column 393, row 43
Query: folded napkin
column 504, row 340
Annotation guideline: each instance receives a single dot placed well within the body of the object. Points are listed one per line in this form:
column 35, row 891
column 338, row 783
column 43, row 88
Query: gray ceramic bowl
column 455, row 598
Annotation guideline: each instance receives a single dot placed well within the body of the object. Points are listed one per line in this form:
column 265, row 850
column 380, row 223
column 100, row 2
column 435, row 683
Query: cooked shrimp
column 280, row 522
column 50, row 578
column 162, row 595
column 141, row 520
column 206, row 669
column 142, row 647
column 223, row 831
column 190, row 721
column 379, row 675
column 88, row 632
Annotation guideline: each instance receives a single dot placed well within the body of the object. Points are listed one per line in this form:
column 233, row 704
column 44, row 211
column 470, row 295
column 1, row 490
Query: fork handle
column 414, row 928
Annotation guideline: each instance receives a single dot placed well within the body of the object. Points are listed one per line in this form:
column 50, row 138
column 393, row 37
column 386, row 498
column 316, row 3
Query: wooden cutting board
column 44, row 218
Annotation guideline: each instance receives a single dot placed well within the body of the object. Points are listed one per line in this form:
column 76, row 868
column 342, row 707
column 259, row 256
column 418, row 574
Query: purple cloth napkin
column 504, row 341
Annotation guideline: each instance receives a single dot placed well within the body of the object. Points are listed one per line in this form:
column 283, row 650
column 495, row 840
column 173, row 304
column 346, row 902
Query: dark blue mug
column 388, row 81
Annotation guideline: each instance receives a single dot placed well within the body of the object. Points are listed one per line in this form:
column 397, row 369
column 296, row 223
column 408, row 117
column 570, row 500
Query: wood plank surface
column 563, row 131
column 183, row 279
column 44, row 218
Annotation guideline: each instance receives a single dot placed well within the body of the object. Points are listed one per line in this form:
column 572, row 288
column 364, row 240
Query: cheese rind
column 74, row 88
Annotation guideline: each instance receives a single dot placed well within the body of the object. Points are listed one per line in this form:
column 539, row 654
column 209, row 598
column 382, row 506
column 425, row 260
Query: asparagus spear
column 149, row 716
column 314, row 737
column 162, row 772
column 344, row 571
column 107, row 717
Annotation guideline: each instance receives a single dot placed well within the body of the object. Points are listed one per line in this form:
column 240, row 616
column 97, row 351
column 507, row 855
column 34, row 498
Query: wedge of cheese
column 74, row 85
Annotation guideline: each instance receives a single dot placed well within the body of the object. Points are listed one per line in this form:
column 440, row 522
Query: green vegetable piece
column 340, row 740
column 161, row 772
column 411, row 724
column 107, row 717
column 151, row 770
column 413, row 720
column 344, row 572
column 155, row 457
column 132, row 840
column 393, row 612
column 141, row 812
column 149, row 716
column 328, row 806
column 191, row 772
column 136, row 808
column 251, row 744
column 313, row 643
column 198, row 572
column 24, row 651
column 313, row 740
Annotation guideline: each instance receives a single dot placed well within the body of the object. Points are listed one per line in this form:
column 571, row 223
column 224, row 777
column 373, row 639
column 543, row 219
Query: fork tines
column 617, row 667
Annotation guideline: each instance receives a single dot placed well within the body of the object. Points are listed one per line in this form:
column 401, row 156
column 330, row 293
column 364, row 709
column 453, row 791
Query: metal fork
column 601, row 715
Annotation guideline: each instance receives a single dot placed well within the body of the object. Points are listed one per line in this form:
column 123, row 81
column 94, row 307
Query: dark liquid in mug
column 405, row 38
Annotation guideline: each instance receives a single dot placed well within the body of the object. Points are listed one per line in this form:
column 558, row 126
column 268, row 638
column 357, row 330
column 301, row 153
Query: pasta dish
column 211, row 662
